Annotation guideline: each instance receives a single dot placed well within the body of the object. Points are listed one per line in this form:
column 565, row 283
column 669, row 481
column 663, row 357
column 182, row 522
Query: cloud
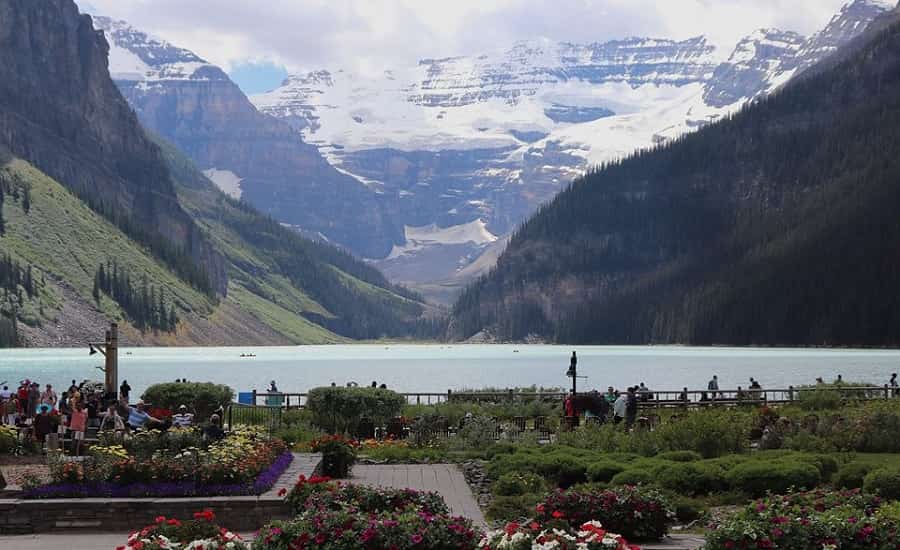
column 370, row 35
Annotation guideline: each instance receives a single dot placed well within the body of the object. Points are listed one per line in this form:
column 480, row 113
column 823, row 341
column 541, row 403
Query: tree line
column 143, row 303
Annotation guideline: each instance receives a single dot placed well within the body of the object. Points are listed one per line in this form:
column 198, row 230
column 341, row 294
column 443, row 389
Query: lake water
column 437, row 368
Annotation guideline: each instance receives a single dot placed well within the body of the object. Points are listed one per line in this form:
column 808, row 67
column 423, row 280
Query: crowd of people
column 45, row 415
column 622, row 406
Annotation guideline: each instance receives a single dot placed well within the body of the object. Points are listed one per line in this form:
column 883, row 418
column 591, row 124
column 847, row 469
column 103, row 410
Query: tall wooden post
column 112, row 359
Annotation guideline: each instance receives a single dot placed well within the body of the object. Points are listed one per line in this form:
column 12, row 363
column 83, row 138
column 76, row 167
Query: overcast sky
column 257, row 40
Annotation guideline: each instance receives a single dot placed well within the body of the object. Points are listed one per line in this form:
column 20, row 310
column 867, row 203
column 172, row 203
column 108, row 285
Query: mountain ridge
column 767, row 228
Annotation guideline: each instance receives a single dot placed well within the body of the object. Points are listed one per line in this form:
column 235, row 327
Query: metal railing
column 267, row 408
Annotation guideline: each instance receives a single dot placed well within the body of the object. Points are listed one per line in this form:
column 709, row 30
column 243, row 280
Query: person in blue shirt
column 138, row 417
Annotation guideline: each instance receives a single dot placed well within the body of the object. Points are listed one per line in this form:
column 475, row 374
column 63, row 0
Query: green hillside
column 66, row 242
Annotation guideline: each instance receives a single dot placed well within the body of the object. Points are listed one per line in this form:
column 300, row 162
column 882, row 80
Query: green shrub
column 851, row 476
column 560, row 467
column 340, row 410
column 711, row 433
column 8, row 439
column 512, row 508
column 680, row 456
column 202, row 398
column 813, row 399
column 686, row 509
column 689, row 478
column 603, row 470
column 758, row 477
column 885, row 482
column 826, row 464
column 479, row 433
column 338, row 455
column 807, row 442
column 633, row 477
column 517, row 484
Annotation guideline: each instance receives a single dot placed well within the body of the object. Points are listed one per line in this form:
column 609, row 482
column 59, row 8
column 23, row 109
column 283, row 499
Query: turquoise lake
column 437, row 368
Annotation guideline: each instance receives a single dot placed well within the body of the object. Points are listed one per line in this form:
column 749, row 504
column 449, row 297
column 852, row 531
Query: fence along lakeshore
column 266, row 407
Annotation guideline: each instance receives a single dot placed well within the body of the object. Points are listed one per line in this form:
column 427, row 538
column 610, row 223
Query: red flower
column 174, row 522
column 557, row 514
column 205, row 514
column 282, row 492
column 160, row 519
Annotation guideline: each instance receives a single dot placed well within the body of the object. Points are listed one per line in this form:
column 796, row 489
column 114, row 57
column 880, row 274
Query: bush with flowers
column 338, row 454
column 635, row 512
column 335, row 515
column 244, row 462
column 533, row 536
column 350, row 529
column 323, row 493
column 199, row 533
column 817, row 520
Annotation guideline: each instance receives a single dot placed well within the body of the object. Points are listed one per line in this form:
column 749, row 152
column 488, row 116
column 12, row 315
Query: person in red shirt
column 78, row 425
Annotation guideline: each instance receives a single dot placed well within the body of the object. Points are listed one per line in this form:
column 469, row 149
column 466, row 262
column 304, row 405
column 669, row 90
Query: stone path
column 676, row 542
column 303, row 464
column 446, row 479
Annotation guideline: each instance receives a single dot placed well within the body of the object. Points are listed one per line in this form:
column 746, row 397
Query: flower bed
column 534, row 536
column 244, row 463
column 199, row 533
column 637, row 513
column 322, row 493
column 810, row 521
column 346, row 529
column 335, row 515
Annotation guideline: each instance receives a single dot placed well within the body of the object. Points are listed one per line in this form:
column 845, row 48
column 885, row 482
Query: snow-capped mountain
column 486, row 139
column 195, row 106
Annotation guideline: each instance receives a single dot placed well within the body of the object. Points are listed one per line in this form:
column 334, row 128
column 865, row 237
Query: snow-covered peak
column 137, row 56
column 759, row 63
column 853, row 19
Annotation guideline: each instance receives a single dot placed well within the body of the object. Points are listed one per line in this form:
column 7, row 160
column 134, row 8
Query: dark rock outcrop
column 61, row 111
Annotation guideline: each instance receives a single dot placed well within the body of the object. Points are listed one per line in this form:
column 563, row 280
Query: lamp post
column 110, row 350
column 573, row 372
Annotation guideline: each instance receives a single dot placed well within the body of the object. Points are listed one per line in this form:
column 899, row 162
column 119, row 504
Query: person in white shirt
column 183, row 419
column 619, row 407
column 5, row 394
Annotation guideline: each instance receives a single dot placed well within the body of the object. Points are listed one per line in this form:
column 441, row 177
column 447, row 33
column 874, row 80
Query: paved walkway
column 303, row 464
column 446, row 479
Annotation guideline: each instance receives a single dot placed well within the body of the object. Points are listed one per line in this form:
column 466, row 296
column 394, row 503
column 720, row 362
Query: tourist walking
column 631, row 408
column 33, row 399
column 11, row 410
column 620, row 408
column 895, row 387
column 713, row 386
column 78, row 425
column 124, row 390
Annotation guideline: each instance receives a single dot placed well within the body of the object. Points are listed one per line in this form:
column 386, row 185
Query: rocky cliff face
column 60, row 110
column 194, row 105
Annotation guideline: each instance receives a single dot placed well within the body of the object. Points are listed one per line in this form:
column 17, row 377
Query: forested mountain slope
column 101, row 221
column 777, row 226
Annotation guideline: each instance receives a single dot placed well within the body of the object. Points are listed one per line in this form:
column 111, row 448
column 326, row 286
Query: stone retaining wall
column 128, row 514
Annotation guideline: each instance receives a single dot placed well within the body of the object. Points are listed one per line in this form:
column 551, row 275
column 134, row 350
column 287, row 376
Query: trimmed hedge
column 604, row 470
column 759, row 477
column 340, row 410
column 851, row 476
column 885, row 482
column 202, row 398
